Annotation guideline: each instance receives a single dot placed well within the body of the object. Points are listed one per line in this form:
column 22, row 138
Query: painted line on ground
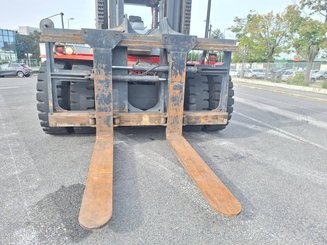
column 264, row 130
column 9, row 87
column 303, row 140
column 295, row 116
column 257, row 156
column 284, row 92
column 257, row 97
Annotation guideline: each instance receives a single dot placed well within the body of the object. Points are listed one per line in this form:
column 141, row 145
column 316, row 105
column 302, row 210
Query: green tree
column 308, row 35
column 193, row 56
column 246, row 51
column 261, row 37
column 309, row 40
column 217, row 34
column 28, row 44
column 316, row 7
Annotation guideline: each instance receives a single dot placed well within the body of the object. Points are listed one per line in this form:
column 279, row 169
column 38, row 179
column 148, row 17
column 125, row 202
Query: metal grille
column 101, row 8
column 186, row 21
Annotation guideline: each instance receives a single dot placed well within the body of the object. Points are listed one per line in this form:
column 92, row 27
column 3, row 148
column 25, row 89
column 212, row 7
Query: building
column 26, row 30
column 8, row 51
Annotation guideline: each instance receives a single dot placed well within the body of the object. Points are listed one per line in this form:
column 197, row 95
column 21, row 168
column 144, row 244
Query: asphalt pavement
column 272, row 156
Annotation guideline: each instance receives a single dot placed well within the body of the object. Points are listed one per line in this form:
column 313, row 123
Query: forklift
column 122, row 74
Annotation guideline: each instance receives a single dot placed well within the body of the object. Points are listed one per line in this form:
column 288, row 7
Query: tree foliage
column 309, row 40
column 193, row 56
column 217, row 34
column 316, row 7
column 28, row 44
column 308, row 35
column 247, row 52
column 311, row 35
column 263, row 36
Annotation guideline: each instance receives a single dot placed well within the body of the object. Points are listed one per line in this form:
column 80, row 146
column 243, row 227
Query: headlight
column 69, row 50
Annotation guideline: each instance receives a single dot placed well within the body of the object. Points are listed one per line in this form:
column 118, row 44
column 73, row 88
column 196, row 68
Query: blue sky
column 16, row 13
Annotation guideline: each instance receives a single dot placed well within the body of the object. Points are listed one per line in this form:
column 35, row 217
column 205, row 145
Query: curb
column 280, row 85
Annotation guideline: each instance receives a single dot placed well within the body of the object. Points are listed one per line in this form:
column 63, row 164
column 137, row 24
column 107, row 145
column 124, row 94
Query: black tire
column 196, row 97
column 82, row 96
column 214, row 97
column 203, row 93
column 42, row 102
column 20, row 74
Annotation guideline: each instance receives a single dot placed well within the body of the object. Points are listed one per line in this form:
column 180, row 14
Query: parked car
column 255, row 73
column 313, row 72
column 234, row 73
column 277, row 73
column 288, row 75
column 15, row 69
column 319, row 75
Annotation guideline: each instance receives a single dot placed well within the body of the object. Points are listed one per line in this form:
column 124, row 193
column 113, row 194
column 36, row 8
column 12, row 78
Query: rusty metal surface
column 205, row 118
column 177, row 46
column 72, row 119
column 213, row 189
column 130, row 40
column 96, row 208
column 176, row 88
column 87, row 118
column 140, row 119
column 61, row 35
column 221, row 45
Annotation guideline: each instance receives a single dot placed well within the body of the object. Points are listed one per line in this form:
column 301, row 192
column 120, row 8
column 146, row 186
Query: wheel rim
column 20, row 74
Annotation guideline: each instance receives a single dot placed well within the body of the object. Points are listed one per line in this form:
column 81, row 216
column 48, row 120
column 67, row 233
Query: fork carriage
column 162, row 94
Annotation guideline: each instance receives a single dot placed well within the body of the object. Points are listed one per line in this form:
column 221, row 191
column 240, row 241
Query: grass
column 324, row 84
column 276, row 80
column 298, row 79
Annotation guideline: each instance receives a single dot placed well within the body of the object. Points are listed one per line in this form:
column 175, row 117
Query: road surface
column 273, row 156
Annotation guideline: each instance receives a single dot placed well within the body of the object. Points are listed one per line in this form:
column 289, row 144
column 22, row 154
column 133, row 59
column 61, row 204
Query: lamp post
column 206, row 35
column 68, row 21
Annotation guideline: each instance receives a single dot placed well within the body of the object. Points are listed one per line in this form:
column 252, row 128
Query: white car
column 234, row 73
column 255, row 73
column 320, row 75
column 287, row 75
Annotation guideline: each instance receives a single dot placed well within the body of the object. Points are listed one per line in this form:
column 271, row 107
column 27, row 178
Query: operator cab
column 137, row 24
